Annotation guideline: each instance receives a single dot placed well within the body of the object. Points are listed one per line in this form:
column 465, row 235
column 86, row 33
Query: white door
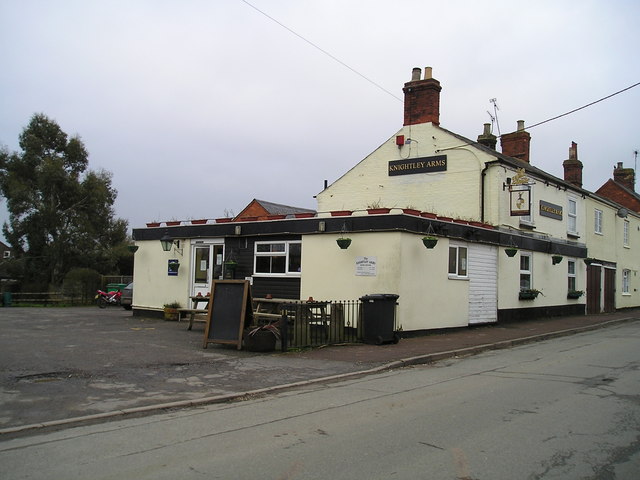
column 206, row 261
column 483, row 284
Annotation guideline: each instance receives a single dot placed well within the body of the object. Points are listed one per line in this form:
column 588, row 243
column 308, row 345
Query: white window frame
column 461, row 262
column 572, row 215
column 597, row 221
column 626, row 277
column 625, row 233
column 526, row 272
column 571, row 274
column 284, row 253
column 6, row 254
column 528, row 219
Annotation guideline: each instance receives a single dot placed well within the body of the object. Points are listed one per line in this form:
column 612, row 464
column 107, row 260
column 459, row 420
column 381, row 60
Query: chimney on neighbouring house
column 422, row 99
column 573, row 166
column 624, row 176
column 516, row 144
column 487, row 138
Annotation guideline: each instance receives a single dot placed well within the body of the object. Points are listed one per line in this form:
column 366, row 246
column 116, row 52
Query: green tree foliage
column 60, row 214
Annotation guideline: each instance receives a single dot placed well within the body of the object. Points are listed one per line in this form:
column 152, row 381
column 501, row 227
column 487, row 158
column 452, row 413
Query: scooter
column 105, row 299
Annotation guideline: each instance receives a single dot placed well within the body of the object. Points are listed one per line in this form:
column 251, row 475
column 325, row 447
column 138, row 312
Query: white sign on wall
column 366, row 266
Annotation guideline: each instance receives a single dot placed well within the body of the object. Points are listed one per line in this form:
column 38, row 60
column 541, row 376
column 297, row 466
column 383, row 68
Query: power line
column 334, row 58
column 584, row 106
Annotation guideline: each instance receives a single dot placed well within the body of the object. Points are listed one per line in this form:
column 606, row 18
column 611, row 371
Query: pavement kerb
column 230, row 397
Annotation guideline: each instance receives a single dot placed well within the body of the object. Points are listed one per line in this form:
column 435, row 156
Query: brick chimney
column 624, row 176
column 487, row 138
column 516, row 144
column 573, row 166
column 422, row 99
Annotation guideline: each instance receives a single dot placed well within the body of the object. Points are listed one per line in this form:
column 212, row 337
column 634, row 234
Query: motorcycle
column 105, row 299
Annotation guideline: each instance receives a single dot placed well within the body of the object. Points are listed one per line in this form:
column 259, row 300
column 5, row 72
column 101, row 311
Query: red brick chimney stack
column 422, row 99
column 516, row 144
column 624, row 176
column 573, row 166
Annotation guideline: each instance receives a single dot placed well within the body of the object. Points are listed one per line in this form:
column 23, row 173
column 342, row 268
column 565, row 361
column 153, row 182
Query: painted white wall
column 152, row 286
column 455, row 192
column 428, row 299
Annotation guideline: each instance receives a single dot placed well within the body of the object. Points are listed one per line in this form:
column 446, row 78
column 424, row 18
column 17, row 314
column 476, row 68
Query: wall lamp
column 166, row 241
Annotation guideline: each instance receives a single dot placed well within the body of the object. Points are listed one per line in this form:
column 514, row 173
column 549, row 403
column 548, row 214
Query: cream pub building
column 512, row 240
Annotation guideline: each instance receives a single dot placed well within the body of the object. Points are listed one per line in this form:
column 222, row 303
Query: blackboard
column 230, row 308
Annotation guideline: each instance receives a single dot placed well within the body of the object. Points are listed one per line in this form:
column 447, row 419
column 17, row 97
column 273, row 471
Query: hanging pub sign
column 437, row 163
column 520, row 194
column 550, row 210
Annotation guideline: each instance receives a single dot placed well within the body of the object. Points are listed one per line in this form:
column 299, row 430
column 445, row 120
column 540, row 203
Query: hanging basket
column 510, row 251
column 343, row 243
column 556, row 259
column 429, row 242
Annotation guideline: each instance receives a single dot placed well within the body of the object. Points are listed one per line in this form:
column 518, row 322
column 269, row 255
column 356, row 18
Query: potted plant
column 556, row 259
column 510, row 251
column 153, row 224
column 429, row 241
column 575, row 293
column 528, row 294
column 171, row 311
column 343, row 242
column 262, row 338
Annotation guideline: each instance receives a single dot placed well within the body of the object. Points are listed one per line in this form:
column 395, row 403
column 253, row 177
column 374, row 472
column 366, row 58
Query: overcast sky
column 199, row 106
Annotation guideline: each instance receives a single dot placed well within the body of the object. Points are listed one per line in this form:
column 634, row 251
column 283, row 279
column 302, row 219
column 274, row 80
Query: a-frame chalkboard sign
column 230, row 309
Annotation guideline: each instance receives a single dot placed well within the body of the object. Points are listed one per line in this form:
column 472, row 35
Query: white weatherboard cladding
column 483, row 283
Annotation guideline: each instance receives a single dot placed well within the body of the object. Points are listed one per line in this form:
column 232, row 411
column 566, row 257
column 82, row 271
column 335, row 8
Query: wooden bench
column 194, row 314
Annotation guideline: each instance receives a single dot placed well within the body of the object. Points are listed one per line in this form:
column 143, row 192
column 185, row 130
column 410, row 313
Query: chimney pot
column 487, row 129
column 428, row 74
column 415, row 74
column 521, row 125
column 487, row 138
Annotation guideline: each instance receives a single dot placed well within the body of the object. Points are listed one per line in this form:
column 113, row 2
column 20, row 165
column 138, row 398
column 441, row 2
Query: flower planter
column 276, row 217
column 378, row 211
column 343, row 243
column 153, row 224
column 428, row 215
column 223, row 220
column 462, row 222
column 411, row 211
column 574, row 293
column 171, row 314
column 528, row 294
column 173, row 223
column 199, row 222
column 341, row 213
column 445, row 219
column 510, row 251
column 429, row 242
column 556, row 259
column 259, row 341
column 304, row 215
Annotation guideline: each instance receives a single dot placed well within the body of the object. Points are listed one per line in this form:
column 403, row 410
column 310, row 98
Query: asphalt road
column 567, row 408
column 61, row 363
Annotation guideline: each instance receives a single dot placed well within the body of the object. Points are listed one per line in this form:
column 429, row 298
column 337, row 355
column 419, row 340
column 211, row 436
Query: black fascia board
column 367, row 223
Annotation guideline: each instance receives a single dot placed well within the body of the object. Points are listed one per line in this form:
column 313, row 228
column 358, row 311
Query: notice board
column 230, row 309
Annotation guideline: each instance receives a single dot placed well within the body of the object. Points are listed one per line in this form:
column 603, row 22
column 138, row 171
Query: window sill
column 573, row 234
column 527, row 225
column 457, row 277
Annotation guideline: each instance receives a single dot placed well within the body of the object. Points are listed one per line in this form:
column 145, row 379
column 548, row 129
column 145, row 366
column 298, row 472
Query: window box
column 574, row 293
column 341, row 213
column 528, row 294
column 199, row 222
column 153, row 224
